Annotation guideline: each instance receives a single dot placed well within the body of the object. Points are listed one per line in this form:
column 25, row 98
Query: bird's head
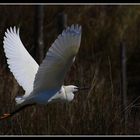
column 73, row 89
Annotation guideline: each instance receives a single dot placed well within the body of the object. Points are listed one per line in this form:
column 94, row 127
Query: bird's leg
column 7, row 115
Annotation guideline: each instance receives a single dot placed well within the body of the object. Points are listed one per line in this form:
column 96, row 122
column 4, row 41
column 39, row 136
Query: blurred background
column 107, row 62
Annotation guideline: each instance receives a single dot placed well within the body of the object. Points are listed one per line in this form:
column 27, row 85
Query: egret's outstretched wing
column 58, row 60
column 21, row 63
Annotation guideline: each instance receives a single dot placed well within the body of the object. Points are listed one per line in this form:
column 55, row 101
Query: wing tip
column 12, row 30
column 74, row 29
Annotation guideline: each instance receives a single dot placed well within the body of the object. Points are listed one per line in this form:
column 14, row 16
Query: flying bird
column 45, row 83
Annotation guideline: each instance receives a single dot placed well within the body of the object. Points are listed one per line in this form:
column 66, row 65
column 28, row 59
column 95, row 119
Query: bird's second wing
column 21, row 63
column 58, row 60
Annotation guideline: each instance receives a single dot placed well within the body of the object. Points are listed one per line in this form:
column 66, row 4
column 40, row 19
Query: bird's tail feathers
column 19, row 100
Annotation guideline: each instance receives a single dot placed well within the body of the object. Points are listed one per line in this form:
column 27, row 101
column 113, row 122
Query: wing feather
column 20, row 62
column 58, row 60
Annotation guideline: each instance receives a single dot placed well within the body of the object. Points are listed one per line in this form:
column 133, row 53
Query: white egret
column 42, row 84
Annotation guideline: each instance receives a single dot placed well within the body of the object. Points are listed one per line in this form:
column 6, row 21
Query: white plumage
column 45, row 83
column 20, row 62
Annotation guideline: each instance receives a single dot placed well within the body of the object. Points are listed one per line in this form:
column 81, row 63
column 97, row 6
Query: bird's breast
column 54, row 95
column 44, row 97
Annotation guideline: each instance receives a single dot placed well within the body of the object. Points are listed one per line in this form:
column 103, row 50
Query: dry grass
column 95, row 112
